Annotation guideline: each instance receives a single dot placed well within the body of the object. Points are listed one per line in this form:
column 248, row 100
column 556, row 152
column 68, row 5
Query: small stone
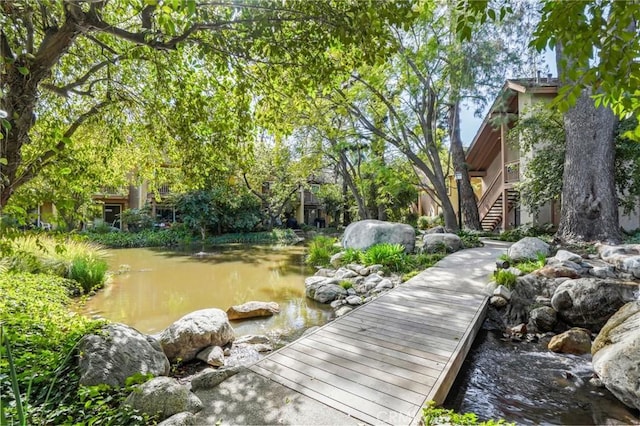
column 343, row 310
column 253, row 339
column 181, row 419
column 519, row 329
column 210, row 378
column 375, row 268
column 563, row 255
column 336, row 259
column 364, row 271
column 351, row 291
column 253, row 310
column 325, row 272
column 596, row 382
column 385, row 283
column 213, row 355
column 337, row 303
column 354, row 300
column 498, row 301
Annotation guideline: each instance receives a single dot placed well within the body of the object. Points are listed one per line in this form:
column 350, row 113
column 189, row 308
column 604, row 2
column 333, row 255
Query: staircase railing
column 490, row 196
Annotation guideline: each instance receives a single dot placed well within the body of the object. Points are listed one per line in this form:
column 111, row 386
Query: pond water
column 527, row 384
column 160, row 286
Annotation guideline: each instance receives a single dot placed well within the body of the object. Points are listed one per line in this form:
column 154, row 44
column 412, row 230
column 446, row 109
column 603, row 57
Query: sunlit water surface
column 160, row 286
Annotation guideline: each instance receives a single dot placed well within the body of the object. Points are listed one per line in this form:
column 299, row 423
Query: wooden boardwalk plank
column 381, row 362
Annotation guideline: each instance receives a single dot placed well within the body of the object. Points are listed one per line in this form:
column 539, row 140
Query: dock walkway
column 383, row 361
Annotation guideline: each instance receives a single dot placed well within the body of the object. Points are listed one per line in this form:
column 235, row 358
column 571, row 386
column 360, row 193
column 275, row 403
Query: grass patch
column 505, row 278
column 346, row 284
column 391, row 256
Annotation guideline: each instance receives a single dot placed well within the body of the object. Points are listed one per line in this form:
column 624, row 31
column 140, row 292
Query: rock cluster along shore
column 120, row 351
column 573, row 299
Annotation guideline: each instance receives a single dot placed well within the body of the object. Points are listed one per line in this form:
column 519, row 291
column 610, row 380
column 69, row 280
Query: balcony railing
column 512, row 171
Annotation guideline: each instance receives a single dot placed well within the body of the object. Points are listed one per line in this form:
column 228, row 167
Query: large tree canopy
column 67, row 62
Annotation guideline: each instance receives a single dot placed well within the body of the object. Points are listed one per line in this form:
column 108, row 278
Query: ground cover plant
column 321, row 248
column 433, row 416
column 41, row 333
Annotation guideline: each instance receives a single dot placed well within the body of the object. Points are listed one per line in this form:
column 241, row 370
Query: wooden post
column 503, row 154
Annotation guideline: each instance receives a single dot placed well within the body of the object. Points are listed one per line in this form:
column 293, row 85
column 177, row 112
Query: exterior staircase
column 493, row 218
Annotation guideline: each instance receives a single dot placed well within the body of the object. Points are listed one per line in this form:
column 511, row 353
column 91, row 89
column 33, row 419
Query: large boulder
column 164, row 396
column 210, row 378
column 183, row 339
column 543, row 319
column 366, row 233
column 118, row 352
column 253, row 310
column 433, row 243
column 590, row 302
column 528, row 248
column 616, row 354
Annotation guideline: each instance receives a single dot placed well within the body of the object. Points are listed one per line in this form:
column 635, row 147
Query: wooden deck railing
column 490, row 196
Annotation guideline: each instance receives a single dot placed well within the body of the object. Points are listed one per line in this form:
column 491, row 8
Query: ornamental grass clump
column 321, row 248
column 81, row 261
column 390, row 256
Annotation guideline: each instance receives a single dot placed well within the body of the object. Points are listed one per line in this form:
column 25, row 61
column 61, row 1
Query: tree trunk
column 469, row 212
column 589, row 203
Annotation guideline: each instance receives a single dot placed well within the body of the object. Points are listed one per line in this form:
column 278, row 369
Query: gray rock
column 436, row 230
column 543, row 318
column 616, row 354
column 375, row 268
column 603, row 272
column 181, row 419
column 366, row 233
column 515, row 271
column 183, row 339
column 253, row 339
column 213, row 355
column 354, row 300
column 344, row 273
column 563, row 255
column 630, row 265
column 558, row 271
column 498, row 301
column 364, row 271
column 325, row 272
column 210, row 378
column 384, row 284
column 337, row 303
column 262, row 347
column 343, row 310
column 433, row 243
column 503, row 292
column 336, row 259
column 253, row 309
column 590, row 302
column 545, row 301
column 163, row 396
column 528, row 249
column 356, row 268
column 316, row 280
column 117, row 353
column 328, row 293
column 242, row 356
column 351, row 291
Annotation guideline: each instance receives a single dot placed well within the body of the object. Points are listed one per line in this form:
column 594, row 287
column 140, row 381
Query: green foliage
column 505, row 278
column 544, row 232
column 218, row 210
column 426, row 222
column 321, row 248
column 34, row 311
column 469, row 239
column 346, row 284
column 433, row 416
column 391, row 256
column 137, row 220
column 81, row 261
column 352, row 255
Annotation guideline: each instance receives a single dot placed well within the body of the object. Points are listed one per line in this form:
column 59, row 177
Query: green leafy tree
column 68, row 62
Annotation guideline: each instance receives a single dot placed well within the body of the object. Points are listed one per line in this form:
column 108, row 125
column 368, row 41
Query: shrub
column 544, row 232
column 469, row 239
column 423, row 222
column 432, row 416
column 351, row 255
column 90, row 273
column 505, row 278
column 321, row 248
column 137, row 219
column 390, row 256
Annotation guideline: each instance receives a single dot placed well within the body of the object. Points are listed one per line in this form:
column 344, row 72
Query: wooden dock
column 383, row 361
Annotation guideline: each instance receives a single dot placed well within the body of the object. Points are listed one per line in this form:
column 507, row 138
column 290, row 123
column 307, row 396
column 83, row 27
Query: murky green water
column 161, row 286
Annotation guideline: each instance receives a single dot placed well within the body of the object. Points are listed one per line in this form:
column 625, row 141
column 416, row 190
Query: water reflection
column 527, row 384
column 160, row 286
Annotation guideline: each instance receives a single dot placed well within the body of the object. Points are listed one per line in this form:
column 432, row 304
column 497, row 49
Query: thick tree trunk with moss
column 470, row 215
